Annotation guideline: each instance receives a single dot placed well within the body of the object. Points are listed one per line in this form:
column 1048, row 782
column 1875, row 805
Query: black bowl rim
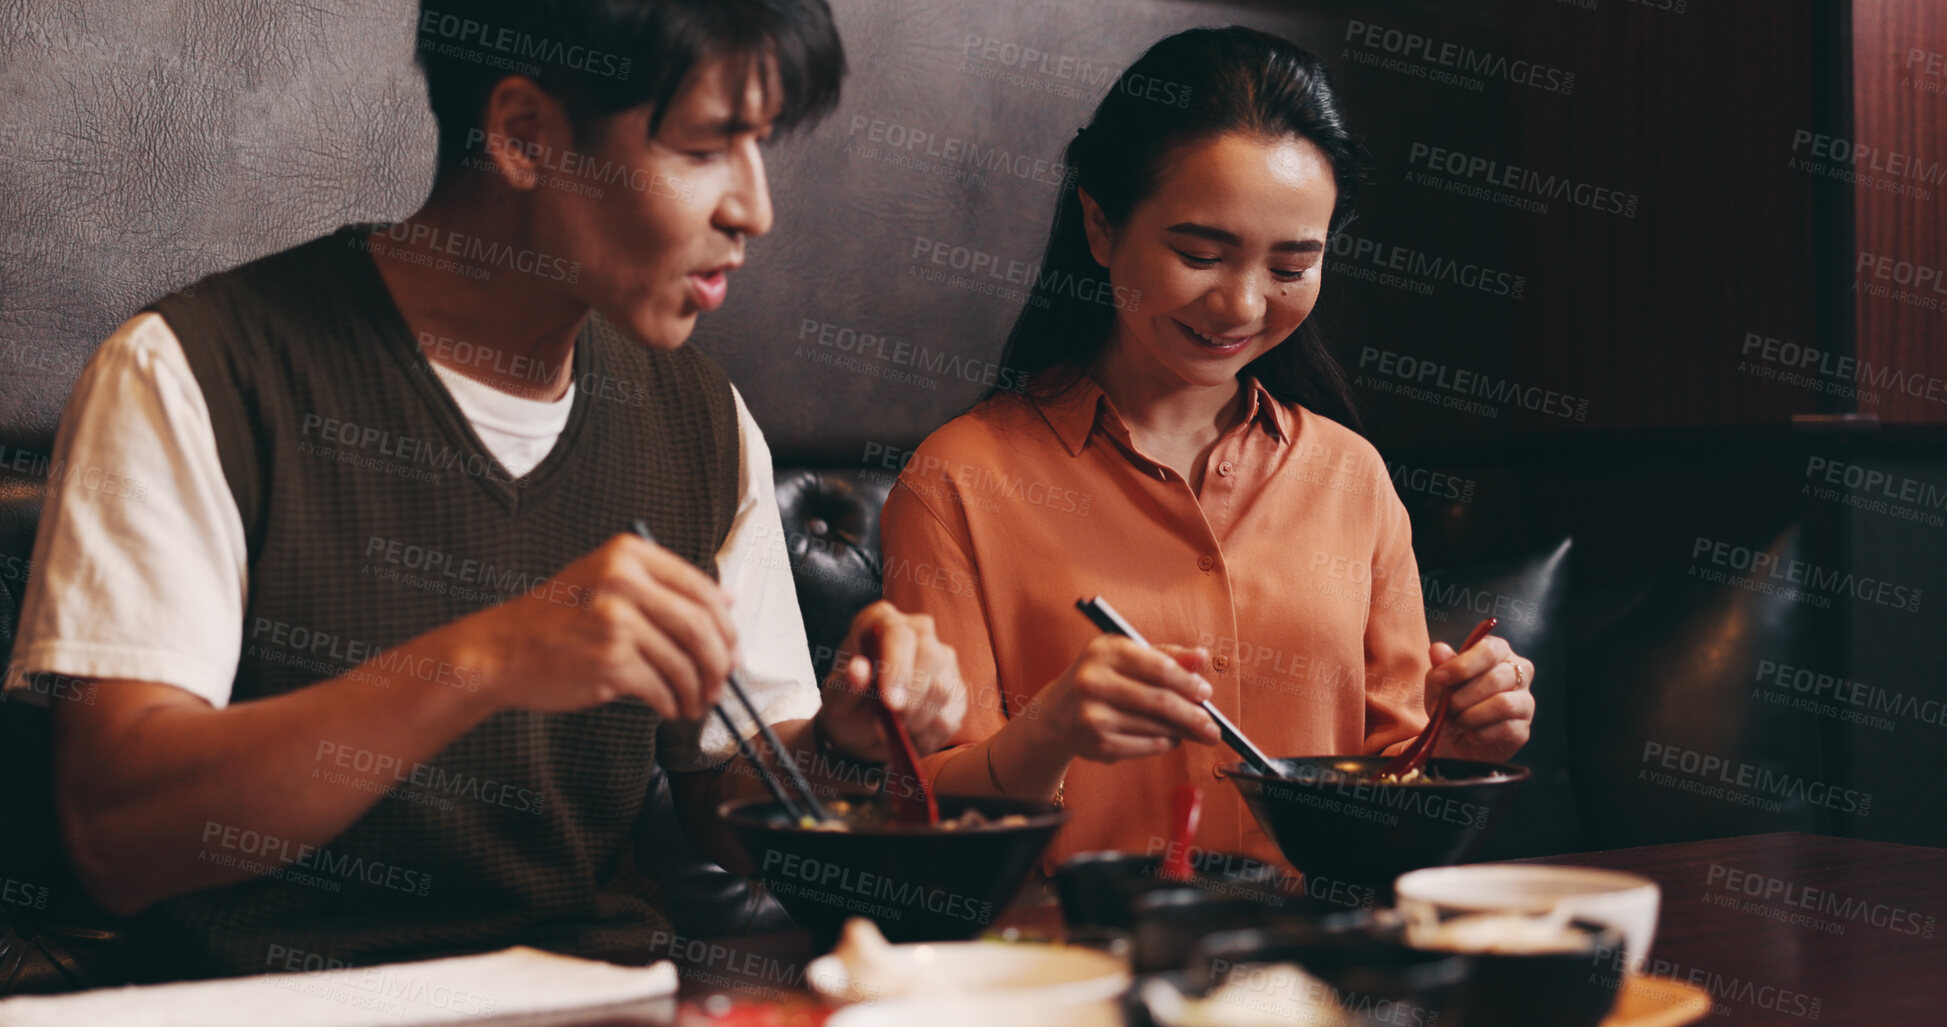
column 1109, row 859
column 736, row 812
column 1503, row 773
column 1318, row 915
column 1104, row 857
column 1445, row 966
column 1601, row 936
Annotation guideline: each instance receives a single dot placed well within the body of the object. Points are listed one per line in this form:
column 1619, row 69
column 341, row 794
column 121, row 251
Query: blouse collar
column 1074, row 414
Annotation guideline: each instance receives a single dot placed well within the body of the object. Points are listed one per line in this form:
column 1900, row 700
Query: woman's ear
column 1101, row 236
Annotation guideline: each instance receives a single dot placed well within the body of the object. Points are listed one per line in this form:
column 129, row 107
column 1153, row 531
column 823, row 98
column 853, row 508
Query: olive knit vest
column 373, row 514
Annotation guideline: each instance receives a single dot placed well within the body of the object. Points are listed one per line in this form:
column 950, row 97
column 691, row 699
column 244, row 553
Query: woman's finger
column 1159, row 668
column 1513, row 704
column 1477, row 660
column 1161, row 706
column 1501, row 677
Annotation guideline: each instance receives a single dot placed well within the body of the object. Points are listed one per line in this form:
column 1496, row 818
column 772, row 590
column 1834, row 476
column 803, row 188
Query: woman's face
column 1226, row 255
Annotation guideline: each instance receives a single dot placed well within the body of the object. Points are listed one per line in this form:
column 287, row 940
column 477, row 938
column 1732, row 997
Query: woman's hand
column 1492, row 708
column 1120, row 700
column 918, row 675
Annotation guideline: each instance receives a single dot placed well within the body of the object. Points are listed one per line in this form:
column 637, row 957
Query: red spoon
column 1415, row 756
column 1186, row 805
column 902, row 763
column 912, row 801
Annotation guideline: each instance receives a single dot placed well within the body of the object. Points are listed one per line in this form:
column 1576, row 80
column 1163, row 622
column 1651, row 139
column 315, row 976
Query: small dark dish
column 1099, row 890
column 1373, row 976
column 916, row 883
column 1171, row 922
column 1561, row 989
column 1333, row 820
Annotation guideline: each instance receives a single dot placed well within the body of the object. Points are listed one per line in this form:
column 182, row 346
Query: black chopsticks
column 1105, row 617
column 812, row 808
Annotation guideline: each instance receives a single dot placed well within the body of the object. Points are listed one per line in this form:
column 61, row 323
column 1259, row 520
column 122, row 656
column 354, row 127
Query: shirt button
column 1205, row 563
column 1220, row 662
column 1225, row 468
column 1217, row 771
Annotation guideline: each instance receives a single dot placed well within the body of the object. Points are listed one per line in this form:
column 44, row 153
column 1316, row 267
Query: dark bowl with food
column 1334, row 819
column 1171, row 922
column 1295, row 973
column 1564, row 980
column 944, row 883
column 1099, row 890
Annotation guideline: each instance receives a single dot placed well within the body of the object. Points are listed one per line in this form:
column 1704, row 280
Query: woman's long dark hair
column 1188, row 88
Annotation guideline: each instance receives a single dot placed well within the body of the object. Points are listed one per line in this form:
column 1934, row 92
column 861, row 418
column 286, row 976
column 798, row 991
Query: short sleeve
column 140, row 565
column 755, row 567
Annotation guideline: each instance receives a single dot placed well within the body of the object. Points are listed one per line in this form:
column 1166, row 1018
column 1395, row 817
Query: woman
column 1180, row 449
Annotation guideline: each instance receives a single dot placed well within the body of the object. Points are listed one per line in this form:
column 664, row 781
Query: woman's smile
column 1220, row 345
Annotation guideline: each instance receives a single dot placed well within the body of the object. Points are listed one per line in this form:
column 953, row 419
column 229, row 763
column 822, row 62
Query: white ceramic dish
column 999, row 1010
column 1627, row 902
column 1048, row 974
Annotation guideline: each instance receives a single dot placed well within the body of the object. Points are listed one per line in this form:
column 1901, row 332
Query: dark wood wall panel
column 1694, row 111
column 1900, row 110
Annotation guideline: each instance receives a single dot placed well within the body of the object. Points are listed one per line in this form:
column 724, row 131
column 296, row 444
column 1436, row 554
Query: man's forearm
column 156, row 782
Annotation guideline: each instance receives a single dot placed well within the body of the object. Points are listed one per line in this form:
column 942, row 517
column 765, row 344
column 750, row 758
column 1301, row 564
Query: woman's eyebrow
column 1215, row 234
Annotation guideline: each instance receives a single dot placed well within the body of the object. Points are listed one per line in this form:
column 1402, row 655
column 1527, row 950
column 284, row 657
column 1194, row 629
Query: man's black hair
column 601, row 57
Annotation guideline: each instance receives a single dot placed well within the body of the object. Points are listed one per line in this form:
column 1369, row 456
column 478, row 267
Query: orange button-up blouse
column 1294, row 566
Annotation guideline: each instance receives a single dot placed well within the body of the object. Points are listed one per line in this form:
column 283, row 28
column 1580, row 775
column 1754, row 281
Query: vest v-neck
column 394, row 336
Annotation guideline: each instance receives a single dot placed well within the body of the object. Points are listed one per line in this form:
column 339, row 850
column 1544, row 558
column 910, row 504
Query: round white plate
column 1048, row 974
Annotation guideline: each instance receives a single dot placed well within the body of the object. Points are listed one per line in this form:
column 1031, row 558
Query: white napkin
column 464, row 988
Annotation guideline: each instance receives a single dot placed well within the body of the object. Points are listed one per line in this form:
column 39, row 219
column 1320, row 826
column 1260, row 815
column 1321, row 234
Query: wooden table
column 1739, row 922
column 1864, row 948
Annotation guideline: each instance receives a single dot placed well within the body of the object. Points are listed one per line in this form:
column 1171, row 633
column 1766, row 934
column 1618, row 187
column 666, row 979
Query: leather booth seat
column 1630, row 653
column 831, row 529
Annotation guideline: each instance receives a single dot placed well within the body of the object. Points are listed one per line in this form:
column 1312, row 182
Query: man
column 374, row 669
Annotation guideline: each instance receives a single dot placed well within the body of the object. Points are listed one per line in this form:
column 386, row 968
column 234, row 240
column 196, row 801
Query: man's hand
column 630, row 618
column 902, row 656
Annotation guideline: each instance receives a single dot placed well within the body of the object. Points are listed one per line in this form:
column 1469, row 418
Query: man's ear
column 521, row 126
column 1101, row 236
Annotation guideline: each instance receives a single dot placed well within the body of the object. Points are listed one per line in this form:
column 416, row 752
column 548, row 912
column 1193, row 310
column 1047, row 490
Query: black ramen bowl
column 1561, row 989
column 1333, row 821
column 917, row 884
column 1370, row 975
column 1099, row 890
column 1171, row 922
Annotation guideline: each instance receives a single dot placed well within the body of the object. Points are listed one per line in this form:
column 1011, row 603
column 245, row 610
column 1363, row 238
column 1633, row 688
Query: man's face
column 658, row 223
